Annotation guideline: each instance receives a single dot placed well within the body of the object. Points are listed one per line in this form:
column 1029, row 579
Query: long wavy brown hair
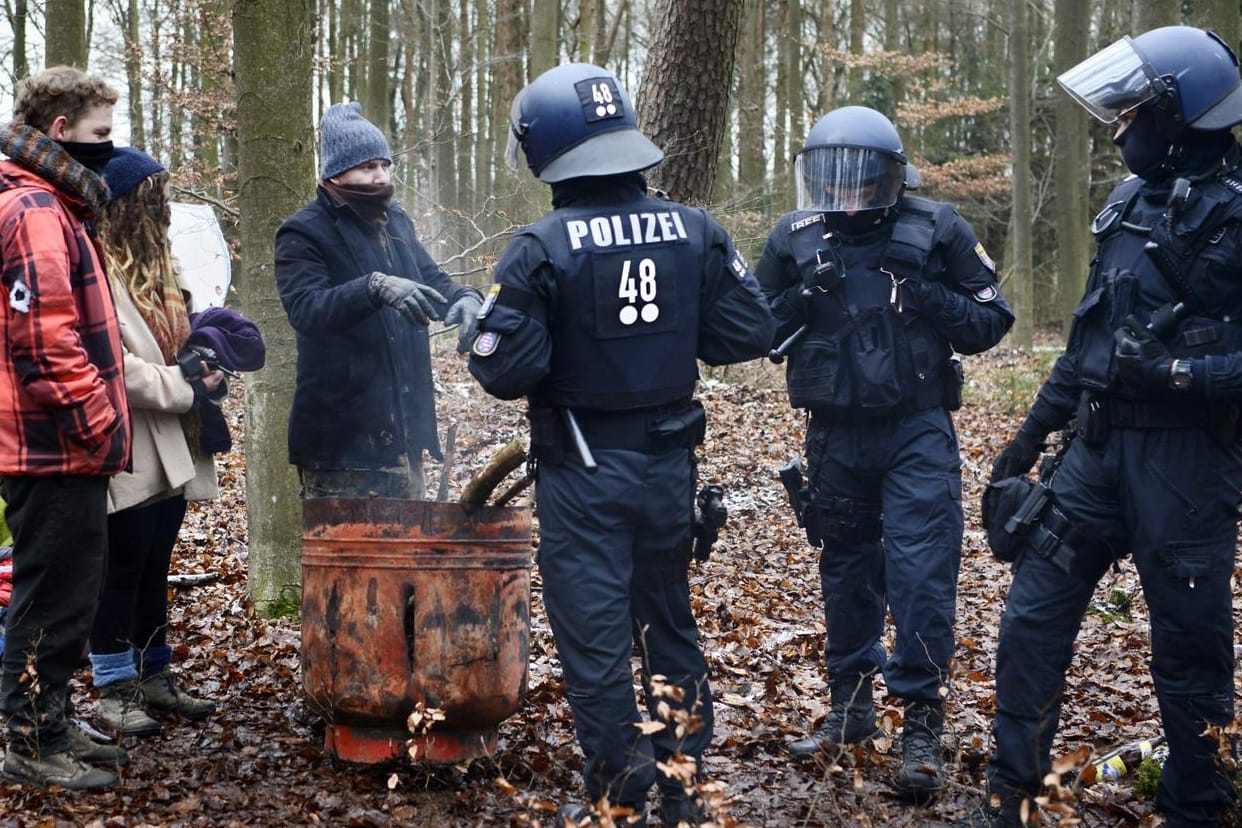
column 133, row 230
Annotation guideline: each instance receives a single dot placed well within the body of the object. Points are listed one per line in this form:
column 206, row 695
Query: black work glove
column 922, row 296
column 1143, row 361
column 1018, row 457
column 464, row 312
column 413, row 299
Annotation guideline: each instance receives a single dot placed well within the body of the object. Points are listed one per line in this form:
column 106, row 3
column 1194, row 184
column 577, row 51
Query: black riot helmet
column 852, row 160
column 1185, row 76
column 576, row 120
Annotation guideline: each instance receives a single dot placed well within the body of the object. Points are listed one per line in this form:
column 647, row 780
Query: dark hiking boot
column 851, row 719
column 922, row 764
column 683, row 809
column 161, row 692
column 577, row 815
column 121, row 710
column 63, row 769
column 982, row 817
column 88, row 750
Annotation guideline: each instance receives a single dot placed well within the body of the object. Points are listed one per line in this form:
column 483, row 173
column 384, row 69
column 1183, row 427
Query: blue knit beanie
column 347, row 139
column 128, row 168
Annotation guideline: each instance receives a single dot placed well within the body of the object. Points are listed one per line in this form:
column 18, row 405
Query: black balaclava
column 1145, row 147
column 859, row 224
column 90, row 154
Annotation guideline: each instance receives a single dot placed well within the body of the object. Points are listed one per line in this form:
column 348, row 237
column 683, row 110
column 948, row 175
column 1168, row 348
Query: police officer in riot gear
column 884, row 287
column 597, row 317
column 1151, row 380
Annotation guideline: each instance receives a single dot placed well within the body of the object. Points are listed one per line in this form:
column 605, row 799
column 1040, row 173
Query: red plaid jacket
column 62, row 394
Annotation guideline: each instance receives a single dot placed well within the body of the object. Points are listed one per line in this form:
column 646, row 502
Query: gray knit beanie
column 346, row 139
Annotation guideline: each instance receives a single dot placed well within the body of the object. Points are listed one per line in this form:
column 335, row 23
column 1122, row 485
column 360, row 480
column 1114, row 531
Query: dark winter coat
column 364, row 392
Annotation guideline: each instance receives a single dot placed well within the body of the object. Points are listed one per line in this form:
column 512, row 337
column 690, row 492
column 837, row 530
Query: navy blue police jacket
column 879, row 344
column 606, row 303
column 1203, row 236
column 364, row 393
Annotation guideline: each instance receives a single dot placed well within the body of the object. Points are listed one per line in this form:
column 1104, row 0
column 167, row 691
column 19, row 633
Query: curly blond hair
column 133, row 230
column 60, row 90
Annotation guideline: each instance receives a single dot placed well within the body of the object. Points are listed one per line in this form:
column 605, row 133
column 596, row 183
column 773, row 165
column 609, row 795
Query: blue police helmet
column 1205, row 72
column 576, row 120
column 1187, row 77
column 852, row 160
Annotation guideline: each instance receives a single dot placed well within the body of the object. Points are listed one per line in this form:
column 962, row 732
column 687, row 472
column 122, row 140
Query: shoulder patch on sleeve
column 489, row 301
column 485, row 344
column 987, row 294
column 984, row 257
column 739, row 266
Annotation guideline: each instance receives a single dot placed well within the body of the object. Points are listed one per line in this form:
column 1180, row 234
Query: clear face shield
column 1112, row 82
column 847, row 179
column 515, row 157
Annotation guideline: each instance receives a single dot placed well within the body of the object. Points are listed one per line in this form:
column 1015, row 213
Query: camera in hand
column 197, row 360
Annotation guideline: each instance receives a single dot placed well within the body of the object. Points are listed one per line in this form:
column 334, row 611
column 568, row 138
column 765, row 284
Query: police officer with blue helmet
column 598, row 315
column 874, row 290
column 1151, row 383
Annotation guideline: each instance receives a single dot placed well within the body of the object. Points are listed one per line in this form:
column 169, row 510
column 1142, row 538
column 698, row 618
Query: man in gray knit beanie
column 347, row 139
column 360, row 291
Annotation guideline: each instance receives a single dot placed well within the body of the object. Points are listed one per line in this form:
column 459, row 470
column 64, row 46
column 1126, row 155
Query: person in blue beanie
column 360, row 291
column 130, row 655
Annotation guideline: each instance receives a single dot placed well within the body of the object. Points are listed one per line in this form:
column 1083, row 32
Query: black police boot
column 982, row 817
column 851, row 718
column 577, row 815
column 922, row 766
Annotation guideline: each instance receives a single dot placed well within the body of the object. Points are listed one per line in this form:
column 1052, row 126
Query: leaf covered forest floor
column 259, row 760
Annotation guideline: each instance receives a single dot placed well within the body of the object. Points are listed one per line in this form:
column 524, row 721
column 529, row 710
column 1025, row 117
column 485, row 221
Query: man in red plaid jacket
column 64, row 424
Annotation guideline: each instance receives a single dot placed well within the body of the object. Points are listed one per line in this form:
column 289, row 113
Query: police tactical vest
column 1149, row 258
column 861, row 358
column 625, row 324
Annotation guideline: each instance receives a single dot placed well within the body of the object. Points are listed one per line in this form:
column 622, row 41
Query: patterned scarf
column 30, row 148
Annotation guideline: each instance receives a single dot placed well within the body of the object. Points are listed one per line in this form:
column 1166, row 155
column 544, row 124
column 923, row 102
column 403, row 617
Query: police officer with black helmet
column 877, row 289
column 597, row 317
column 1151, row 382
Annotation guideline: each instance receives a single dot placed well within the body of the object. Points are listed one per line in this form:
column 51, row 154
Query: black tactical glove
column 1143, row 361
column 413, row 299
column 1019, row 456
column 464, row 312
column 922, row 296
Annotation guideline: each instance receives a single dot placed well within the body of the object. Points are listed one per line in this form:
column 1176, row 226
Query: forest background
column 228, row 95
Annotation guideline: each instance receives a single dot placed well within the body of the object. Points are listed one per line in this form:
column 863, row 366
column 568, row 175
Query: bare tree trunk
column 1152, row 14
column 828, row 74
column 379, row 30
column 780, row 114
column 751, row 92
column 485, row 161
column 273, row 53
column 685, row 94
column 1072, row 170
column 545, row 20
column 467, row 135
column 64, row 27
column 17, row 21
column 133, row 72
column 1020, row 269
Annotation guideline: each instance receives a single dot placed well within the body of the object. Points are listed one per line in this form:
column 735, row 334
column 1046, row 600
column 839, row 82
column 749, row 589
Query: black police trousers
column 1169, row 499
column 613, row 556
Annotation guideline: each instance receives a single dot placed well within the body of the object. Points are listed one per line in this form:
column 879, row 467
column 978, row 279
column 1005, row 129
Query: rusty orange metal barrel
column 408, row 602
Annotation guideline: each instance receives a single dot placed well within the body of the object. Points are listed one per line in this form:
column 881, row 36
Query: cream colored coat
column 158, row 396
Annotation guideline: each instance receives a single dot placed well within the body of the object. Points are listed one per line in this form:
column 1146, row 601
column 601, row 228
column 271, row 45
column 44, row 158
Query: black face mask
column 93, row 156
column 859, row 224
column 1144, row 148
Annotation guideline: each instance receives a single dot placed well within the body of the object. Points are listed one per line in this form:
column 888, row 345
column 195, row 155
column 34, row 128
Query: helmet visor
column 848, row 179
column 1111, row 82
column 513, row 147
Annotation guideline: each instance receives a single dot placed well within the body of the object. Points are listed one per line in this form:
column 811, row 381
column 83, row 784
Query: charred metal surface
column 414, row 601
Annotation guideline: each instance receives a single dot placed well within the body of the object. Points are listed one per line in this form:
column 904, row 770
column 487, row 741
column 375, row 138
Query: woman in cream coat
column 130, row 656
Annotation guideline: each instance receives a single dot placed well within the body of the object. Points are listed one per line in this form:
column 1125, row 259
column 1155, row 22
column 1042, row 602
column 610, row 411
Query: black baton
column 778, row 353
